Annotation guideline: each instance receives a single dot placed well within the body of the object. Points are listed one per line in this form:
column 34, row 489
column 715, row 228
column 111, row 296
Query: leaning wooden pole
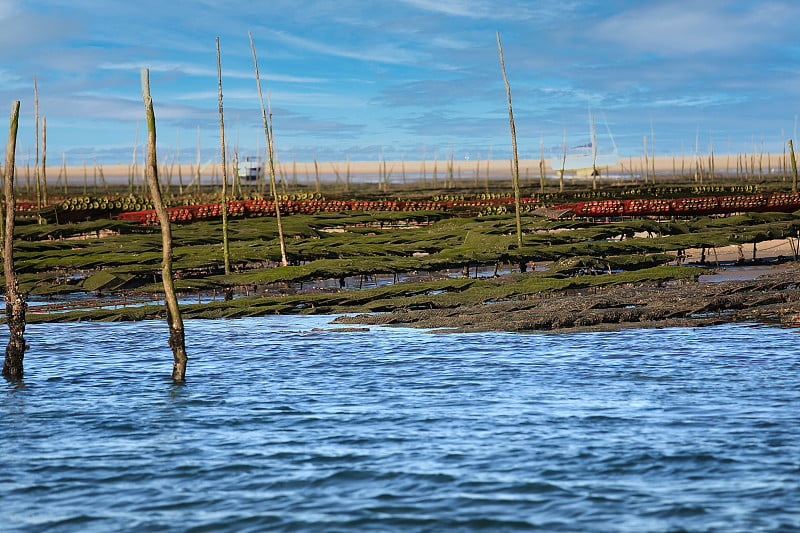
column 794, row 166
column 15, row 304
column 271, row 155
column 176, row 334
column 515, row 167
column 226, row 251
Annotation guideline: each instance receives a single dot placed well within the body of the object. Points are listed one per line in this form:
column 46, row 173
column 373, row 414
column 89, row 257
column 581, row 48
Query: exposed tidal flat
column 432, row 261
column 285, row 424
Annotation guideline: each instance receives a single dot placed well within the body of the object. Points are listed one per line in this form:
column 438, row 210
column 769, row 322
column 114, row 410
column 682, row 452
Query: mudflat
column 771, row 298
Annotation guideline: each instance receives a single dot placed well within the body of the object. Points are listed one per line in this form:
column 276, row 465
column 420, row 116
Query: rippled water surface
column 281, row 428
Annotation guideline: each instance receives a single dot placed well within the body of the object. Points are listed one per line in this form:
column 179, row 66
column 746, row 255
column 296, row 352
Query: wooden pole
column 595, row 172
column 563, row 164
column 347, row 176
column 711, row 162
column 226, row 254
column 198, row 176
column 271, row 155
column 487, row 170
column 176, row 333
column 15, row 304
column 317, row 185
column 515, row 168
column 44, row 161
column 237, row 176
column 36, row 176
column 64, row 169
column 451, row 180
column 794, row 166
column 652, row 152
column 180, row 169
column 541, row 166
column 135, row 161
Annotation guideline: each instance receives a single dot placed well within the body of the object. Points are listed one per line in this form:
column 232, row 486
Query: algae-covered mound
column 774, row 299
column 428, row 260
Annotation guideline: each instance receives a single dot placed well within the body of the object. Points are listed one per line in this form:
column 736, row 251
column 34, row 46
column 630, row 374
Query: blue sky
column 404, row 79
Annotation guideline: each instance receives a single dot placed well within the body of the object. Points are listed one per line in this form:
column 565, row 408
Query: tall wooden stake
column 135, row 161
column 595, row 171
column 237, row 176
column 176, row 334
column 563, row 164
column 226, row 253
column 44, row 161
column 15, row 304
column 347, row 176
column 180, row 167
column 271, row 155
column 541, row 166
column 515, row 168
column 64, row 171
column 317, row 185
column 652, row 151
column 794, row 166
column 197, row 176
column 36, row 177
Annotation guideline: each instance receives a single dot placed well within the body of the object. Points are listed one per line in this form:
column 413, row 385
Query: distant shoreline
column 466, row 169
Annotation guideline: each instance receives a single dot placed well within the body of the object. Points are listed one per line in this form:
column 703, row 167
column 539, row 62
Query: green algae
column 443, row 294
column 108, row 256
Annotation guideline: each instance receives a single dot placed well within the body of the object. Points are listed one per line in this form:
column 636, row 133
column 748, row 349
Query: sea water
column 285, row 424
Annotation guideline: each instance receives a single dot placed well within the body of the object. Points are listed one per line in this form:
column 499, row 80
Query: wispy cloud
column 704, row 101
column 447, row 124
column 392, row 72
column 452, row 43
column 9, row 79
column 103, row 107
column 475, row 9
column 285, row 98
column 492, row 10
column 294, row 124
column 429, row 93
column 689, row 27
column 379, row 53
column 459, row 8
column 188, row 69
column 21, row 29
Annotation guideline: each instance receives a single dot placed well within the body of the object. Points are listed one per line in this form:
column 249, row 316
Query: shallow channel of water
column 283, row 428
